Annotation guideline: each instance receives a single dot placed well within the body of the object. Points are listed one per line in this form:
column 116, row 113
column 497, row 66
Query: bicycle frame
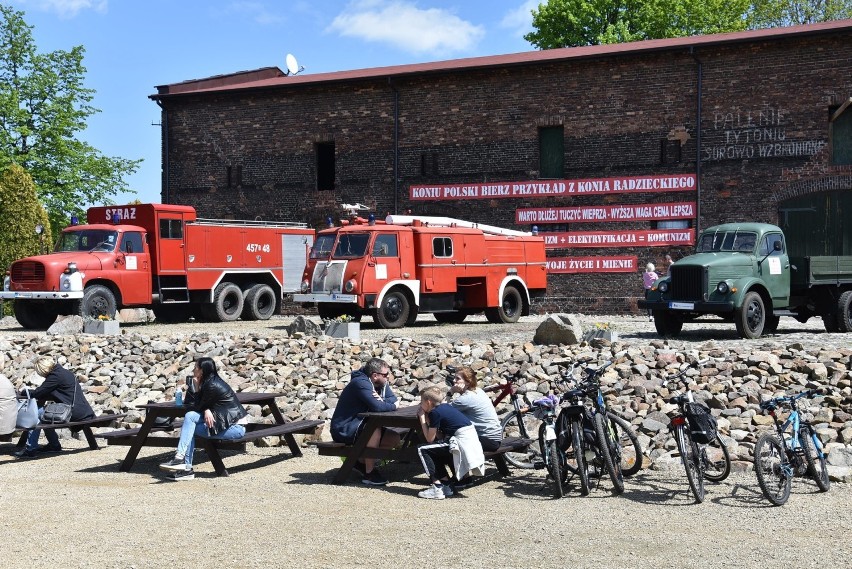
column 793, row 423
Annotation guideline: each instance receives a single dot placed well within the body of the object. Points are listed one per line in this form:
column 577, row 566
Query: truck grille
column 328, row 277
column 24, row 272
column 688, row 283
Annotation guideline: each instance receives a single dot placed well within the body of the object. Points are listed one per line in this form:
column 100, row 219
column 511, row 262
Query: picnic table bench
column 405, row 417
column 85, row 426
column 138, row 437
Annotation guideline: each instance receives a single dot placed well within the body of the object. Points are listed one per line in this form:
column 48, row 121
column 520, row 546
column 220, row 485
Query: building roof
column 273, row 77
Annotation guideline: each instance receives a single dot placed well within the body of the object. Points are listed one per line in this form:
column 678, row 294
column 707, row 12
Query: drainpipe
column 165, row 136
column 395, row 146
column 699, row 80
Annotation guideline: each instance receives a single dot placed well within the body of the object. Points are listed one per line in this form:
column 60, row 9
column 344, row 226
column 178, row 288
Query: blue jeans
column 193, row 424
column 49, row 434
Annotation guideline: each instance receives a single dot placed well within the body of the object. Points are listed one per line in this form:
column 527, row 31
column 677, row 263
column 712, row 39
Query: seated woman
column 216, row 414
column 59, row 386
column 475, row 404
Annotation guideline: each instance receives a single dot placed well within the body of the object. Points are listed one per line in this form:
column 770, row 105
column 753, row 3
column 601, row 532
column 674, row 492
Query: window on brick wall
column 325, row 166
column 840, row 129
column 669, row 151
column 551, row 152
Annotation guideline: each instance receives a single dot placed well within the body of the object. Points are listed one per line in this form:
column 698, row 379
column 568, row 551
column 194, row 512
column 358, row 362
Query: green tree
column 20, row 213
column 44, row 105
column 779, row 13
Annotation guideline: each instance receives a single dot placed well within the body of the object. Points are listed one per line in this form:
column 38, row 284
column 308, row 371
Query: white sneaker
column 174, row 465
column 432, row 493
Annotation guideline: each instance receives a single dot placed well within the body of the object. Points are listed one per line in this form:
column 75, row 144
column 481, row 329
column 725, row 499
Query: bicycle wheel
column 579, row 455
column 689, row 457
column 555, row 464
column 818, row 473
column 610, row 454
column 774, row 474
column 631, row 449
column 717, row 460
column 523, row 425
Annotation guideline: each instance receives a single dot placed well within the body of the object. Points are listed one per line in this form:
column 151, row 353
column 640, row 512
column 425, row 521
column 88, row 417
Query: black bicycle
column 701, row 449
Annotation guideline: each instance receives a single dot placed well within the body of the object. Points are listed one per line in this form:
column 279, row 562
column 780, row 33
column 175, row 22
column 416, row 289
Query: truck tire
column 393, row 313
column 750, row 318
column 259, row 303
column 667, row 324
column 844, row 312
column 509, row 311
column 34, row 316
column 771, row 325
column 228, row 302
column 172, row 313
column 97, row 300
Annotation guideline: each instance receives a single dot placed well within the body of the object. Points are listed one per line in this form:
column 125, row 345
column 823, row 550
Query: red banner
column 636, row 238
column 549, row 188
column 626, row 264
column 603, row 213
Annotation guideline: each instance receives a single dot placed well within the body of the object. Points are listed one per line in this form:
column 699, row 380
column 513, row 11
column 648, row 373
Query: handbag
column 54, row 413
column 27, row 412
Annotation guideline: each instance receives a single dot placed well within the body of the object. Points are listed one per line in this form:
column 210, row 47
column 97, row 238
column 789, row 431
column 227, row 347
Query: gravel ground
column 77, row 510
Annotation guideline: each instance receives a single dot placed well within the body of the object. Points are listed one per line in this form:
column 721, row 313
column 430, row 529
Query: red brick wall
column 764, row 139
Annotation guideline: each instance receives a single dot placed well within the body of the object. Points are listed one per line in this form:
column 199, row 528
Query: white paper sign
column 774, row 266
column 381, row 272
column 131, row 263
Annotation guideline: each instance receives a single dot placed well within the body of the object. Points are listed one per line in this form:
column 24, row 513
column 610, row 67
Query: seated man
column 367, row 390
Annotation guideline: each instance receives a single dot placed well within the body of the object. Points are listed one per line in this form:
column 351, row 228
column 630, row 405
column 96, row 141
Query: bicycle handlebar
column 788, row 399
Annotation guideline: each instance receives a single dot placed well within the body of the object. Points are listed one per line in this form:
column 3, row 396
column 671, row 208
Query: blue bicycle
column 780, row 456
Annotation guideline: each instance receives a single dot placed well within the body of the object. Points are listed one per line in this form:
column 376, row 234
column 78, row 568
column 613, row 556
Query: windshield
column 87, row 240
column 322, row 247
column 742, row 241
column 351, row 245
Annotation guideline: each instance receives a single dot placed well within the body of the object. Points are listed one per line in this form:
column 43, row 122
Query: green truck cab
column 744, row 272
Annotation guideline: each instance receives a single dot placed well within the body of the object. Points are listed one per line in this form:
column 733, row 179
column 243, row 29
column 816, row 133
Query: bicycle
column 595, row 433
column 779, row 456
column 695, row 432
column 553, row 458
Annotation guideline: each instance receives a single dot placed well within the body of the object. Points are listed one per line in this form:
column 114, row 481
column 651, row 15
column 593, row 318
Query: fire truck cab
column 407, row 265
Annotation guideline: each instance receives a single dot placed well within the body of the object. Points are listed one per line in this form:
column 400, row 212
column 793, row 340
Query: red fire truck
column 407, row 265
column 160, row 257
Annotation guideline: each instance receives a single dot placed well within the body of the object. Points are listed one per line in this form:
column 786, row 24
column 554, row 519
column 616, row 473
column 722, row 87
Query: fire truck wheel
column 33, row 316
column 393, row 313
column 510, row 307
column 259, row 303
column 97, row 300
column 228, row 302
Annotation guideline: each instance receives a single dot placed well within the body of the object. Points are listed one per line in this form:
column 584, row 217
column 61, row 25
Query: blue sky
column 134, row 45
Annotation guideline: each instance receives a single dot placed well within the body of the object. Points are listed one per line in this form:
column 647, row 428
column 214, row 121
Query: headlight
column 723, row 288
column 349, row 286
column 306, row 286
column 7, row 282
column 663, row 287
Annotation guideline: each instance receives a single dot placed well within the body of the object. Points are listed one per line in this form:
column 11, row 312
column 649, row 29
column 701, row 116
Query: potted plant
column 603, row 330
column 343, row 326
column 103, row 324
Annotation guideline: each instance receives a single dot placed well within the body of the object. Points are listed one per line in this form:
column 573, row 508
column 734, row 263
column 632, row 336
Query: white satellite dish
column 292, row 64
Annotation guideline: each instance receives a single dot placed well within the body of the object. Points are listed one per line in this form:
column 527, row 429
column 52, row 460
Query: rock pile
column 121, row 372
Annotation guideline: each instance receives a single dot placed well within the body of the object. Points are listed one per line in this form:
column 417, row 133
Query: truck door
column 384, row 259
column 133, row 264
column 171, row 256
column 295, row 250
column 775, row 269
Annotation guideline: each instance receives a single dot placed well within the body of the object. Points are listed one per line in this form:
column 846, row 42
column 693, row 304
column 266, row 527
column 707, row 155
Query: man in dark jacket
column 59, row 386
column 216, row 414
column 367, row 390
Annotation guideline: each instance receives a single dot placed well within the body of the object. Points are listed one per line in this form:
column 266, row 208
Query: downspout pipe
column 164, row 130
column 395, row 146
column 699, row 82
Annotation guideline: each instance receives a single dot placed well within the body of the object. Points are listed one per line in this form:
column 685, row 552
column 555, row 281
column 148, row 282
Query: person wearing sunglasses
column 368, row 390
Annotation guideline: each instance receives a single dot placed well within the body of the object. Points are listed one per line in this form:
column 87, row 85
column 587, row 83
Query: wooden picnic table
column 137, row 438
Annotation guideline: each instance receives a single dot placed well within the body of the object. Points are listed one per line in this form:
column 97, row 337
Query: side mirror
column 776, row 246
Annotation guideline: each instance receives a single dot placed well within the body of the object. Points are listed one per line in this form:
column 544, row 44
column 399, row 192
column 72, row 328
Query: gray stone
column 559, row 329
column 304, row 326
column 66, row 325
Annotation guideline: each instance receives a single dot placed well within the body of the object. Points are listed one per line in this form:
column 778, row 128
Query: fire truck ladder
column 451, row 222
column 250, row 223
column 173, row 289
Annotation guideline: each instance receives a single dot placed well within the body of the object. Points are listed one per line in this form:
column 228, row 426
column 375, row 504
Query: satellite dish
column 292, row 64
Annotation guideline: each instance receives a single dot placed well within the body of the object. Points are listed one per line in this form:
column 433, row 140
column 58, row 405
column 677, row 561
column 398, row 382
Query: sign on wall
column 604, row 213
column 555, row 188
column 635, row 238
column 621, row 264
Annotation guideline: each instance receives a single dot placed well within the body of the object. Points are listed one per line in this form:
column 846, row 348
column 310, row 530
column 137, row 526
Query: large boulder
column 66, row 325
column 559, row 329
column 304, row 326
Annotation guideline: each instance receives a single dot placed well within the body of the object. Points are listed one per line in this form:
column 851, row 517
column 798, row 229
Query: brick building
column 600, row 147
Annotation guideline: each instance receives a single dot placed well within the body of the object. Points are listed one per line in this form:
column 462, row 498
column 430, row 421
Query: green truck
column 749, row 273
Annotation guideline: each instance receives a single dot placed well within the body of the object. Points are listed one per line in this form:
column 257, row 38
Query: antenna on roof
column 293, row 66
